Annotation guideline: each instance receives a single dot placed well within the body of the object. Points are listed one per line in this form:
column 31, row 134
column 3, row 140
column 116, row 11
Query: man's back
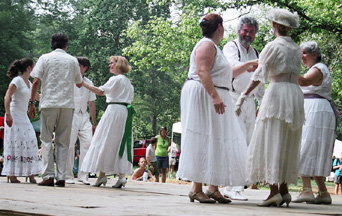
column 58, row 72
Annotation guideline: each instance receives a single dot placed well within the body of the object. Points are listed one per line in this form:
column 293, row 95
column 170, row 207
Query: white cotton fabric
column 240, row 82
column 213, row 145
column 21, row 157
column 103, row 154
column 273, row 154
column 58, row 72
column 318, row 130
column 325, row 88
column 81, row 129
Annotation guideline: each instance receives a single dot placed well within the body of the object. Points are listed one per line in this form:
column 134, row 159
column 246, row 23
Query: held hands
column 253, row 65
column 239, row 103
column 219, row 105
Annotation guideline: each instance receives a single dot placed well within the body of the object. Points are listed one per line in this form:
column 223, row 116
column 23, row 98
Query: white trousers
column 247, row 124
column 58, row 120
column 81, row 129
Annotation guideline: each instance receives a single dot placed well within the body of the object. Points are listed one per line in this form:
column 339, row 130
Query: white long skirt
column 273, row 154
column 21, row 157
column 103, row 153
column 213, row 146
column 318, row 138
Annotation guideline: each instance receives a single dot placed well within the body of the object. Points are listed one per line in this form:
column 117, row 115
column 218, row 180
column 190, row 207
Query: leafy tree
column 16, row 17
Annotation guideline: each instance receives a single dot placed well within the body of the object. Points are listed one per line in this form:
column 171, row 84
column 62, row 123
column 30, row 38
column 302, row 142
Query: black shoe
column 60, row 183
column 47, row 182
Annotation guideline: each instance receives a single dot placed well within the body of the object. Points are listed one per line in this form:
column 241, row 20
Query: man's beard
column 244, row 42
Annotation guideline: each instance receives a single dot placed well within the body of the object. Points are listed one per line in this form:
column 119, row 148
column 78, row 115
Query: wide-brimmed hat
column 284, row 17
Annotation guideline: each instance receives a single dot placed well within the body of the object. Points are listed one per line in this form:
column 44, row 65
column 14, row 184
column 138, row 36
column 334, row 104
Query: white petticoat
column 318, row 138
column 103, row 153
column 213, row 145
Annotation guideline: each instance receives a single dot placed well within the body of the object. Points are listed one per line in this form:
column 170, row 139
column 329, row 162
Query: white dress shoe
column 70, row 181
column 120, row 183
column 84, row 182
column 234, row 195
column 100, row 181
column 275, row 200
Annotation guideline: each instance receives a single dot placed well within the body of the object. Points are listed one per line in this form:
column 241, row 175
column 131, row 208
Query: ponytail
column 18, row 67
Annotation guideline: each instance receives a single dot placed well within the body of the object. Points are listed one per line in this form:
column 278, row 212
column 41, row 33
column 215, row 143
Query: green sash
column 127, row 137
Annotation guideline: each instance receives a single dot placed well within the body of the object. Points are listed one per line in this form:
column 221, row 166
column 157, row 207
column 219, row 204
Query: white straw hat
column 284, row 17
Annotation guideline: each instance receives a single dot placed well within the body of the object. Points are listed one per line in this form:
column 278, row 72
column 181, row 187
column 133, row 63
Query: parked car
column 139, row 149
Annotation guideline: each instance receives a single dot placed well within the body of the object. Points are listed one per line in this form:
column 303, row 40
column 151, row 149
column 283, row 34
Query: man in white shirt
column 81, row 126
column 58, row 72
column 151, row 158
column 243, row 58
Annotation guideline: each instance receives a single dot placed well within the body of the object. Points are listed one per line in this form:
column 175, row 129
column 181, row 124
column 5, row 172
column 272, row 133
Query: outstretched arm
column 94, row 89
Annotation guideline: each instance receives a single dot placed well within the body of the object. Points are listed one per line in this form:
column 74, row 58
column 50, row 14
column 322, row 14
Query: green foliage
column 15, row 40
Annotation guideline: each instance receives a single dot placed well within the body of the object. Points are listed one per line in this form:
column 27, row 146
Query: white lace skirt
column 21, row 157
column 213, row 149
column 103, row 153
column 273, row 154
column 318, row 138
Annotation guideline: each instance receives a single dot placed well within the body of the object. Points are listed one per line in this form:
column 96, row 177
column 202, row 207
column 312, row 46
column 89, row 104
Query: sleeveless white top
column 324, row 89
column 220, row 72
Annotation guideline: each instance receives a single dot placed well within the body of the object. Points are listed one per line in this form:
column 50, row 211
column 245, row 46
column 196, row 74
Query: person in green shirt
column 163, row 144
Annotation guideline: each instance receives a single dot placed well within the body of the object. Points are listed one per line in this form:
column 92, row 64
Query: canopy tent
column 176, row 128
column 337, row 148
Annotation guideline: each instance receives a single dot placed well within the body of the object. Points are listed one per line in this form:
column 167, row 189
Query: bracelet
column 32, row 101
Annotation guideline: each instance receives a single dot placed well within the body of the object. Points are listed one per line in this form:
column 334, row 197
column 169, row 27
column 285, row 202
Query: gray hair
column 249, row 21
column 312, row 48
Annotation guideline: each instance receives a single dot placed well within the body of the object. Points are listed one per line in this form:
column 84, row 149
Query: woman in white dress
column 21, row 157
column 213, row 145
column 319, row 129
column 107, row 153
column 273, row 154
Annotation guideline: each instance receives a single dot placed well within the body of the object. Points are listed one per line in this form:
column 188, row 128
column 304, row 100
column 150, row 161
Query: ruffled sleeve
column 266, row 59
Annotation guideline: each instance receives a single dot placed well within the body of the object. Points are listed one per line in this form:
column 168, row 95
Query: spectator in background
column 151, row 158
column 81, row 126
column 161, row 152
column 141, row 173
column 337, row 166
column 173, row 150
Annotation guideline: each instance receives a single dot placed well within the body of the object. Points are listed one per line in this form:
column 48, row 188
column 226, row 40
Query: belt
column 332, row 104
column 127, row 137
column 291, row 78
column 220, row 87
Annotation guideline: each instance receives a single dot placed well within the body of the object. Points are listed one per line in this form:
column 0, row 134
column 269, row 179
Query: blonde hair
column 121, row 63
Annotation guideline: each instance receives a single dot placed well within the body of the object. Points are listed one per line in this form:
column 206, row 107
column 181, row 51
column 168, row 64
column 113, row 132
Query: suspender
column 256, row 52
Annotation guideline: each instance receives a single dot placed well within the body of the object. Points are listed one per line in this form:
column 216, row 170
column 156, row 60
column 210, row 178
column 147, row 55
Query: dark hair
column 59, row 40
column 163, row 128
column 84, row 61
column 19, row 67
column 210, row 23
column 154, row 140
